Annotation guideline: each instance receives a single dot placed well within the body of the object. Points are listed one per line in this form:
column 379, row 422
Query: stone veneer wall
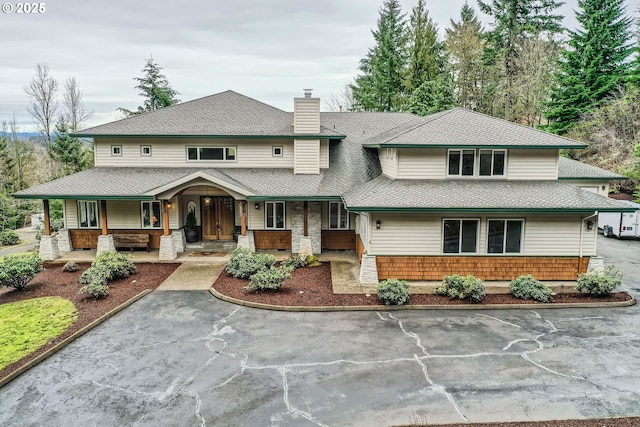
column 314, row 225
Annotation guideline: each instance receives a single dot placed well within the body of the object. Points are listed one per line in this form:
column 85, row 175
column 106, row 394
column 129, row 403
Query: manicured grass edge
column 236, row 301
column 19, row 371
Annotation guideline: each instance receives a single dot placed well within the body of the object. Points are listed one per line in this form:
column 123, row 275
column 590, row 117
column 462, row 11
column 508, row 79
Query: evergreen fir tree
column 433, row 96
column 424, row 52
column 68, row 150
column 154, row 86
column 595, row 64
column 379, row 87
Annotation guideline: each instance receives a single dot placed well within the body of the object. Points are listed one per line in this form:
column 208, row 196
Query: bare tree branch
column 74, row 111
column 41, row 91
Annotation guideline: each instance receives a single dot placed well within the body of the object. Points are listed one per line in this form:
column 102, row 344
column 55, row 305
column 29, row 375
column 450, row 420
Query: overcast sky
column 266, row 49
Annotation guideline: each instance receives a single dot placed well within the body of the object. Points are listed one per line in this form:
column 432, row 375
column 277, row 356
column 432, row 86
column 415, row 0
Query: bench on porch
column 131, row 241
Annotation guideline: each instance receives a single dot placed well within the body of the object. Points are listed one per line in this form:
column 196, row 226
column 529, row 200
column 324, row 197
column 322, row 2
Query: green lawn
column 26, row 325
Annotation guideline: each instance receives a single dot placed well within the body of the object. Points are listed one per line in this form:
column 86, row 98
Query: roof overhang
column 600, row 178
column 295, row 198
column 82, row 197
column 485, row 210
column 197, row 178
column 291, row 136
column 463, row 146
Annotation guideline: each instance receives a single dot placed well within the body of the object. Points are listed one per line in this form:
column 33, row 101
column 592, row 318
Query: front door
column 217, row 217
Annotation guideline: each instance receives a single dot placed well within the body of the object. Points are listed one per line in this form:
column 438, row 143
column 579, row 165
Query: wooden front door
column 217, row 217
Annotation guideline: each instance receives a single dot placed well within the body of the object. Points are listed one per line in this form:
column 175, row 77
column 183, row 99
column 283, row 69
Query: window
column 492, row 162
column 460, row 236
column 212, row 153
column 274, row 215
column 462, row 162
column 504, row 236
column 88, row 214
column 145, row 150
column 116, row 150
column 276, row 151
column 151, row 215
column 338, row 216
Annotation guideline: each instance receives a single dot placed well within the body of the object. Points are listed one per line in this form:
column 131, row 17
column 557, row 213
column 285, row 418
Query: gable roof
column 225, row 114
column 385, row 194
column 460, row 127
column 573, row 169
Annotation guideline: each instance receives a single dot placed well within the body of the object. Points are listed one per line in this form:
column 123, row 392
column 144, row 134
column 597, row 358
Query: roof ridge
column 429, row 118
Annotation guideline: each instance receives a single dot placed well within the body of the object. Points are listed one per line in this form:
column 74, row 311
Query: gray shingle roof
column 223, row 114
column 460, row 127
column 573, row 169
column 383, row 193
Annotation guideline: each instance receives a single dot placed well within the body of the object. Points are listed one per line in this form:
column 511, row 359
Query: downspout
column 582, row 233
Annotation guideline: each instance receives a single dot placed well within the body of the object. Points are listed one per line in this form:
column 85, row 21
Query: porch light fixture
column 603, row 187
column 589, row 225
column 257, row 206
column 169, row 205
column 207, row 201
column 378, row 224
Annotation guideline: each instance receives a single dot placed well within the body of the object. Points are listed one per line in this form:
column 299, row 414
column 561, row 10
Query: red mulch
column 54, row 282
column 315, row 285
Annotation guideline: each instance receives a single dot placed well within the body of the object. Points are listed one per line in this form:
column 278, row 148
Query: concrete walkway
column 193, row 277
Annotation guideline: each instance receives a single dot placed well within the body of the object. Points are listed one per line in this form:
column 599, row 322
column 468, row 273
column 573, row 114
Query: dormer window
column 473, row 162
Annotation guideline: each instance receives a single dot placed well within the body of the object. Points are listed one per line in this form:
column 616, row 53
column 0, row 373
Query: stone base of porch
column 105, row 243
column 49, row 248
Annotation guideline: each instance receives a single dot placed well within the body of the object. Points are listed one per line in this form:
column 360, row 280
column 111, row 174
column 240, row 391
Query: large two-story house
column 456, row 192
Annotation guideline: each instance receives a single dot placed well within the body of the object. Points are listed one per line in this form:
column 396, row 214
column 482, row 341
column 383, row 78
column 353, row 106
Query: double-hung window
column 460, row 236
column 504, row 236
column 462, row 162
column 88, row 213
column 338, row 216
column 491, row 162
column 211, row 153
column 151, row 214
column 274, row 215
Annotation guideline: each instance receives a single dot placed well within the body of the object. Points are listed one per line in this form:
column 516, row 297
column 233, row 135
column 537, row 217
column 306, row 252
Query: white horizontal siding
column 389, row 162
column 306, row 115
column 306, row 156
column 421, row 163
column 71, row 213
column 528, row 164
column 324, row 154
column 421, row 234
column 256, row 216
column 172, row 152
column 593, row 186
column 123, row 214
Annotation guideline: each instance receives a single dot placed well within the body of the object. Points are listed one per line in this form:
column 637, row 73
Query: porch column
column 103, row 217
column 105, row 240
column 47, row 218
column 305, row 215
column 165, row 217
column 48, row 244
column 243, row 218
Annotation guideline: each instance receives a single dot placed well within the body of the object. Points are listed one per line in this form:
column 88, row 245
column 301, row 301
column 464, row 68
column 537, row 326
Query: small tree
column 16, row 271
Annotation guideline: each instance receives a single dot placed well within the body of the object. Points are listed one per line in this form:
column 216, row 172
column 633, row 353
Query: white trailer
column 620, row 224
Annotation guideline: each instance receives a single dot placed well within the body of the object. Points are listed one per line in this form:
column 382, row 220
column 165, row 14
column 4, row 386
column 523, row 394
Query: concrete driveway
column 185, row 358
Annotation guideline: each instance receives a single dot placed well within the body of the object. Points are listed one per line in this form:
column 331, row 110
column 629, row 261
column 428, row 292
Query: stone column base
column 305, row 247
column 244, row 242
column 179, row 240
column 167, row 248
column 368, row 270
column 105, row 243
column 64, row 240
column 49, row 248
column 596, row 264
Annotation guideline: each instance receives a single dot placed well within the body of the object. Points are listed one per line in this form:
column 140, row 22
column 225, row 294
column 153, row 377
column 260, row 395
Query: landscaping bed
column 54, row 282
column 311, row 286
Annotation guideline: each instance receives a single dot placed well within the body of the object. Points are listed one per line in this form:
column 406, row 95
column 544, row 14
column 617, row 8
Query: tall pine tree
column 595, row 64
column 154, row 87
column 515, row 21
column 424, row 52
column 465, row 44
column 379, row 87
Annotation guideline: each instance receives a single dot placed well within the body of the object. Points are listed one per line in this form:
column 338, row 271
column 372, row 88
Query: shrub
column 467, row 287
column 9, row 238
column 95, row 290
column 294, row 261
column 268, row 279
column 70, row 267
column 393, row 291
column 118, row 265
column 56, row 225
column 526, row 287
column 95, row 274
column 18, row 270
column 312, row 261
column 599, row 282
column 243, row 264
